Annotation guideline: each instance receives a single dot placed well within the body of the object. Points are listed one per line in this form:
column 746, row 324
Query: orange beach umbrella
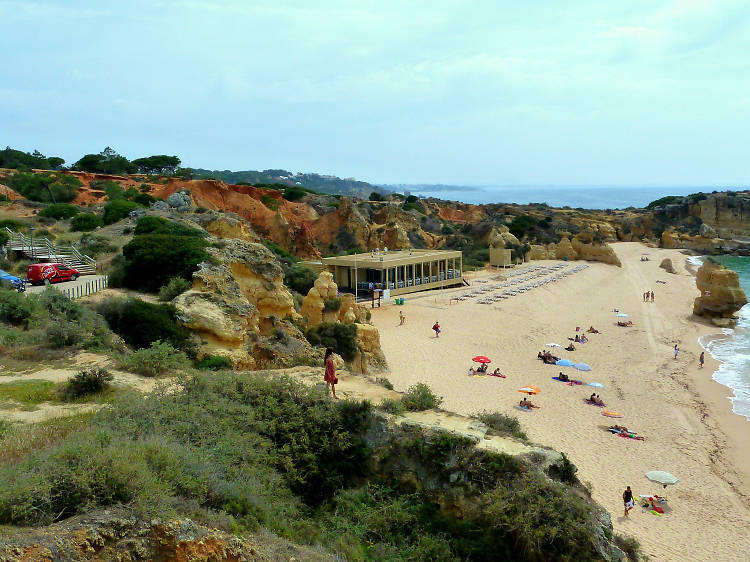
column 529, row 390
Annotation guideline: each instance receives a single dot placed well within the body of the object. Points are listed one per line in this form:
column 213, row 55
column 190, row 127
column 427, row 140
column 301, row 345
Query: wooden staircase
column 42, row 250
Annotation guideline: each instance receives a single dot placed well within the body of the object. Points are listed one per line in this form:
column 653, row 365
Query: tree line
column 108, row 161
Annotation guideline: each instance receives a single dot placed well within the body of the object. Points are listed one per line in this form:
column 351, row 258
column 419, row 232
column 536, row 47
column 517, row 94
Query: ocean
column 586, row 197
column 732, row 347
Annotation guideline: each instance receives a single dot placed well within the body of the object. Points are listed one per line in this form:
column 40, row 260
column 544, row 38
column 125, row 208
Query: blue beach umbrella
column 582, row 366
column 595, row 384
column 565, row 363
column 622, row 315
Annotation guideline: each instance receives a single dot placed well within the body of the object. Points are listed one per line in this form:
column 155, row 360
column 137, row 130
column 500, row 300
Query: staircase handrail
column 83, row 257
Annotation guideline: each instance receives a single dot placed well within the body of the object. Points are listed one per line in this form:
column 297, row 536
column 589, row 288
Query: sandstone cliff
column 721, row 294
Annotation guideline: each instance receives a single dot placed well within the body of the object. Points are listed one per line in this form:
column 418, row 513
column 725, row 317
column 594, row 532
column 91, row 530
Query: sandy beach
column 685, row 417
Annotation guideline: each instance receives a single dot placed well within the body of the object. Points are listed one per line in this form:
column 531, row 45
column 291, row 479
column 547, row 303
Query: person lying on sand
column 625, row 432
column 594, row 399
column 625, row 324
column 563, row 377
column 592, row 330
column 584, row 339
column 577, row 339
column 527, row 404
column 570, row 347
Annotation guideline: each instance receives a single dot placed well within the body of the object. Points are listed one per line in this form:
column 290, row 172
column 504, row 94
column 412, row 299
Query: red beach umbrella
column 481, row 359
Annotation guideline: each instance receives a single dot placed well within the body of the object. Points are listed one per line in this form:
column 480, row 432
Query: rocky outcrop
column 666, row 265
column 590, row 251
column 541, row 252
column 115, row 534
column 241, row 309
column 226, row 225
column 181, row 201
column 721, row 294
column 370, row 357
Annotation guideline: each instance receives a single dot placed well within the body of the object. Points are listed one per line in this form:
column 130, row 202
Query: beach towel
column 569, row 383
column 494, row 375
column 517, row 407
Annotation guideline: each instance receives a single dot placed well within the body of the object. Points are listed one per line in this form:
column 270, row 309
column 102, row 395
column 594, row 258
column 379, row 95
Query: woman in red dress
column 330, row 376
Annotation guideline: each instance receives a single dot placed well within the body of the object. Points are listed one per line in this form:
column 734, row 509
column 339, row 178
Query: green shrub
column 159, row 359
column 59, row 211
column 90, row 380
column 85, row 222
column 375, row 196
column 521, row 224
column 300, row 278
column 176, row 286
column 142, row 323
column 384, row 382
column 668, row 200
column 341, row 338
column 47, row 187
column 420, row 397
column 12, row 224
column 93, row 245
column 270, row 202
column 15, row 308
column 144, row 199
column 630, row 546
column 563, row 470
column 70, row 324
column 5, row 427
column 159, row 225
column 332, row 304
column 118, row 209
column 116, row 272
column 502, row 424
column 294, row 193
column 214, row 363
column 151, row 260
column 395, row 407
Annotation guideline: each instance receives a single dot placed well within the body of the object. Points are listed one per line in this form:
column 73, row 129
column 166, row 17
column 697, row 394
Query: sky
column 453, row 92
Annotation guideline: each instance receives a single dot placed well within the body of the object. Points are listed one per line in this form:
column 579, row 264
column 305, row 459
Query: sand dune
column 685, row 417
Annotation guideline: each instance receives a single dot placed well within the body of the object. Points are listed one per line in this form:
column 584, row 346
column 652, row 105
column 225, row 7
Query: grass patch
column 392, row 406
column 29, row 393
column 502, row 424
column 384, row 382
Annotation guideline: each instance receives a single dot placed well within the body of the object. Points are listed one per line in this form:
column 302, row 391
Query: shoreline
column 680, row 409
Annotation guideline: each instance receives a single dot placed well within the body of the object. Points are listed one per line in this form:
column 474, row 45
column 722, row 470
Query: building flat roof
column 391, row 259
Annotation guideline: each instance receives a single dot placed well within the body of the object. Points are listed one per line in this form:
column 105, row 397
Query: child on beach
column 436, row 328
column 401, row 317
column 701, row 359
column 676, row 351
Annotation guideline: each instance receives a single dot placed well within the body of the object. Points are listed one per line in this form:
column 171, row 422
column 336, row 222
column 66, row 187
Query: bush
column 159, row 359
column 332, row 305
column 384, row 382
column 176, row 286
column 46, row 187
column 563, row 470
column 294, row 193
column 151, row 260
column 375, row 196
column 118, row 209
column 59, row 211
column 93, row 245
column 214, row 363
column 142, row 323
column 300, row 278
column 116, row 272
column 159, row 225
column 631, row 547
column 85, row 222
column 90, row 380
column 341, row 338
column 395, row 407
column 420, row 397
column 502, row 424
column 15, row 308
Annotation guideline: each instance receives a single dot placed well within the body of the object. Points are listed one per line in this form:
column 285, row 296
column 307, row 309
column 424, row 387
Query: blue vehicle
column 12, row 282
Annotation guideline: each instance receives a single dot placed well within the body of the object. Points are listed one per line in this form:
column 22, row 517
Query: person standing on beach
column 676, row 351
column 330, row 375
column 652, row 296
column 702, row 359
column 627, row 499
column 401, row 317
column 436, row 328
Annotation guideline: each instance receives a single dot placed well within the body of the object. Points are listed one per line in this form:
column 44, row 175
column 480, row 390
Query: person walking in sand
column 401, row 317
column 436, row 329
column 676, row 351
column 652, row 296
column 330, row 374
column 627, row 499
column 701, row 359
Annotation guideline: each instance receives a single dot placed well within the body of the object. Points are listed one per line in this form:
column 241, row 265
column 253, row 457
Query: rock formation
column 181, row 201
column 666, row 265
column 370, row 356
column 241, row 309
column 721, row 294
column 226, row 225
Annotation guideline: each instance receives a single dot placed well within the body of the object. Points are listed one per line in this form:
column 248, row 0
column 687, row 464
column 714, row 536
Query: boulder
column 181, row 201
column 313, row 305
column 721, row 294
column 370, row 358
column 669, row 239
column 595, row 252
column 565, row 250
column 666, row 265
column 160, row 205
column 540, row 252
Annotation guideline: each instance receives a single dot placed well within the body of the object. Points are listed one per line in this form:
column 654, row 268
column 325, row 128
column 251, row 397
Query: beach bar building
column 401, row 271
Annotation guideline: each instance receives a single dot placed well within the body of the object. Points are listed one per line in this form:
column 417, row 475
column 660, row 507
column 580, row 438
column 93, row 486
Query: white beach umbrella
column 661, row 477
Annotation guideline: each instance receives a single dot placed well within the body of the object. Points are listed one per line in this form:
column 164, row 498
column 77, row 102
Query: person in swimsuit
column 702, row 358
column 627, row 499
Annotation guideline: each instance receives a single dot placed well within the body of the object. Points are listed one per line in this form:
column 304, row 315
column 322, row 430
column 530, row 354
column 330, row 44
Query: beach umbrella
column 661, row 477
column 582, row 366
column 622, row 315
column 611, row 414
column 553, row 345
column 565, row 363
column 595, row 384
column 529, row 390
column 481, row 359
